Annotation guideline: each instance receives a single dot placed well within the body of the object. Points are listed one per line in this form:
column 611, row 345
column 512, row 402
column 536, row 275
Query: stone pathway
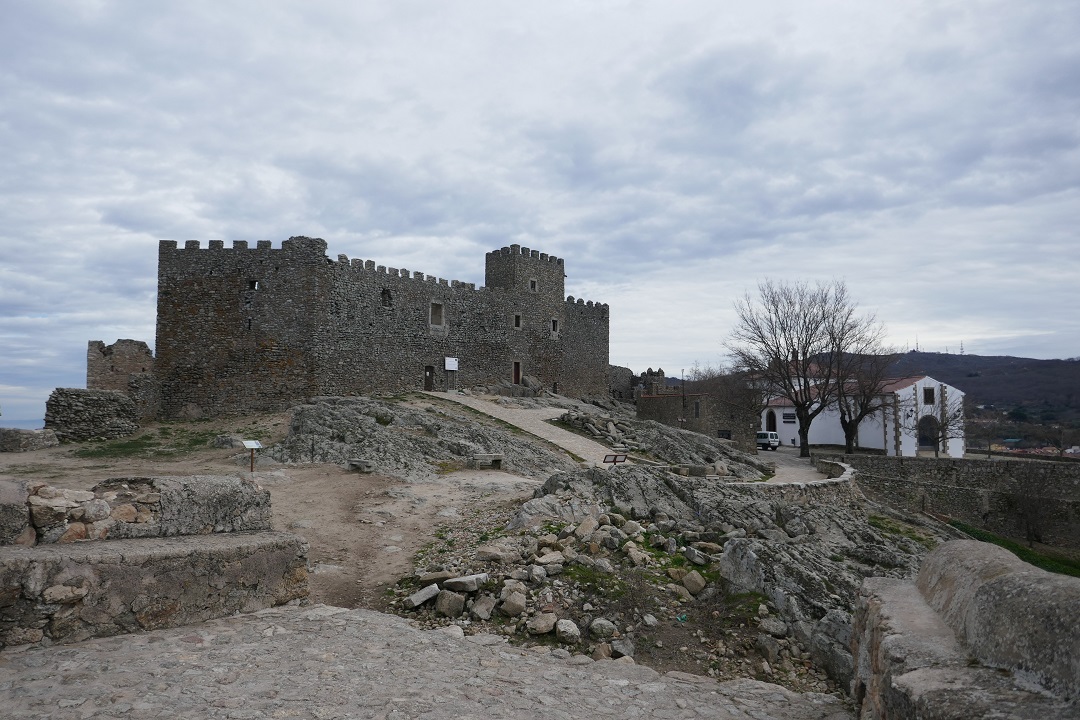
column 326, row 663
column 790, row 468
column 534, row 420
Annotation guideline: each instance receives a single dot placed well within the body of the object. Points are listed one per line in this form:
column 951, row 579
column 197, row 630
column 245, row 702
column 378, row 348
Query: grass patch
column 593, row 581
column 894, row 528
column 161, row 443
column 1060, row 565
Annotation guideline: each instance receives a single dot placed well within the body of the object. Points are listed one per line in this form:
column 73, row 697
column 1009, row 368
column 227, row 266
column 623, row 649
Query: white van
column 768, row 440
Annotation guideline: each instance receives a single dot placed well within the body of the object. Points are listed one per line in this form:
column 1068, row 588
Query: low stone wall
column 76, row 415
column 1016, row 498
column 132, row 508
column 67, row 593
column 1010, row 614
column 16, row 440
column 980, row 634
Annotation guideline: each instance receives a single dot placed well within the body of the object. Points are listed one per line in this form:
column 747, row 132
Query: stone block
column 72, row 592
column 16, row 440
column 468, row 583
column 449, row 603
column 421, row 596
column 14, row 515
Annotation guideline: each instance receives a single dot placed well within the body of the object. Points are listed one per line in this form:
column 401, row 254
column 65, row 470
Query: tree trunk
column 850, row 430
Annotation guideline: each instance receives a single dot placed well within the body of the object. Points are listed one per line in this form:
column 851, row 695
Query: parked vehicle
column 768, row 440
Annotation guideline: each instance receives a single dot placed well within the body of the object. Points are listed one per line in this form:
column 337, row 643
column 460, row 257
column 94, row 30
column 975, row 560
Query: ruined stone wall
column 126, row 366
column 242, row 329
column 701, row 413
column 110, row 367
column 16, row 440
column 621, row 382
column 138, row 554
column 71, row 592
column 75, row 414
column 1016, row 498
column 137, row 507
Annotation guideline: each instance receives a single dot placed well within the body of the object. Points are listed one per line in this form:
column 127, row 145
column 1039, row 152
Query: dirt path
column 362, row 530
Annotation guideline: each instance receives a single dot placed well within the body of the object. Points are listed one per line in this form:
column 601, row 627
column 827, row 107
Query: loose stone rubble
column 616, row 558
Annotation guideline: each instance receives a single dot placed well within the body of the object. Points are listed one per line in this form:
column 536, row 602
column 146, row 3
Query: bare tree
column 795, row 338
column 859, row 393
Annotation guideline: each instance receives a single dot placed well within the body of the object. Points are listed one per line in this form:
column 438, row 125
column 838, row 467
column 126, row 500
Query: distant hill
column 1049, row 390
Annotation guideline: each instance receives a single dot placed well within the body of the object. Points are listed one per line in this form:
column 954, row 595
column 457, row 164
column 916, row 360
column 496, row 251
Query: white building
column 916, row 413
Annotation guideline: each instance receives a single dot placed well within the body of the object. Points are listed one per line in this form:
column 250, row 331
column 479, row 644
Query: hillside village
column 509, row 488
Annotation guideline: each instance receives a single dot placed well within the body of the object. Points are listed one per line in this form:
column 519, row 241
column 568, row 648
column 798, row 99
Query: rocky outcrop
column 700, row 454
column 408, row 442
column 980, row 634
column 76, row 415
column 807, row 547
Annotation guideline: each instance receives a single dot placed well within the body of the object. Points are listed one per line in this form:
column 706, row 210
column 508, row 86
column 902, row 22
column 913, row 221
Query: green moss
column 895, row 528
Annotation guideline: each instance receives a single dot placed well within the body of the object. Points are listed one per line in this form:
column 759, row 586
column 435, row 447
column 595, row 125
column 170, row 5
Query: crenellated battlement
column 524, row 252
column 294, row 244
column 256, row 327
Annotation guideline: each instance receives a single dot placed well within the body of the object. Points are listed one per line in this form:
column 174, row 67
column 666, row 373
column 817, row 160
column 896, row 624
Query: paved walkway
column 534, row 420
column 328, row 663
column 790, row 468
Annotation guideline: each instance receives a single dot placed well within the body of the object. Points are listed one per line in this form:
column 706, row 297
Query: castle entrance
column 429, row 377
column 517, row 373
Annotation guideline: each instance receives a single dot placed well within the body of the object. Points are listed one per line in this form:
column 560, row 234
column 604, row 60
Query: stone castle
column 250, row 329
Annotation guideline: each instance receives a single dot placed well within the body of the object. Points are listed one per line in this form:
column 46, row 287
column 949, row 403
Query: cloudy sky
column 673, row 153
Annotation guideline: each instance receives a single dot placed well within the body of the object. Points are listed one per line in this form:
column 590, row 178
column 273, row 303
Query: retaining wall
column 67, row 593
column 1017, row 498
column 980, row 634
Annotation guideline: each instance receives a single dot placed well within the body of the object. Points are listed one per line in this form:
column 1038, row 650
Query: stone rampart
column 67, row 593
column 75, row 414
column 1016, row 498
column 979, row 634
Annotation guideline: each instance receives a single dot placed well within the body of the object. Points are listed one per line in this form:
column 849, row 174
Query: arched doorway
column 770, row 421
column 929, row 433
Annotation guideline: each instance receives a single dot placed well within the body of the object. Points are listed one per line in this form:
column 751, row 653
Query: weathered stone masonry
column 257, row 328
column 1008, row 497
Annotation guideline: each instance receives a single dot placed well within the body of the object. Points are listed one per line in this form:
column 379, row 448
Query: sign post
column 252, row 445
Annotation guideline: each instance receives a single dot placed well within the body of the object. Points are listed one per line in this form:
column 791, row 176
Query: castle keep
column 244, row 328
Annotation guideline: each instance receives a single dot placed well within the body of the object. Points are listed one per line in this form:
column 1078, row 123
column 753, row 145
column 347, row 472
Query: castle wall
column 236, row 327
column 1015, row 498
column 242, row 329
column 110, row 367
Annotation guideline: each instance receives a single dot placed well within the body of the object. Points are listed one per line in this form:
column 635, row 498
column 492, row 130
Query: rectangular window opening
column 554, row 325
column 517, row 322
column 436, row 314
column 532, row 285
column 253, row 284
column 928, row 396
